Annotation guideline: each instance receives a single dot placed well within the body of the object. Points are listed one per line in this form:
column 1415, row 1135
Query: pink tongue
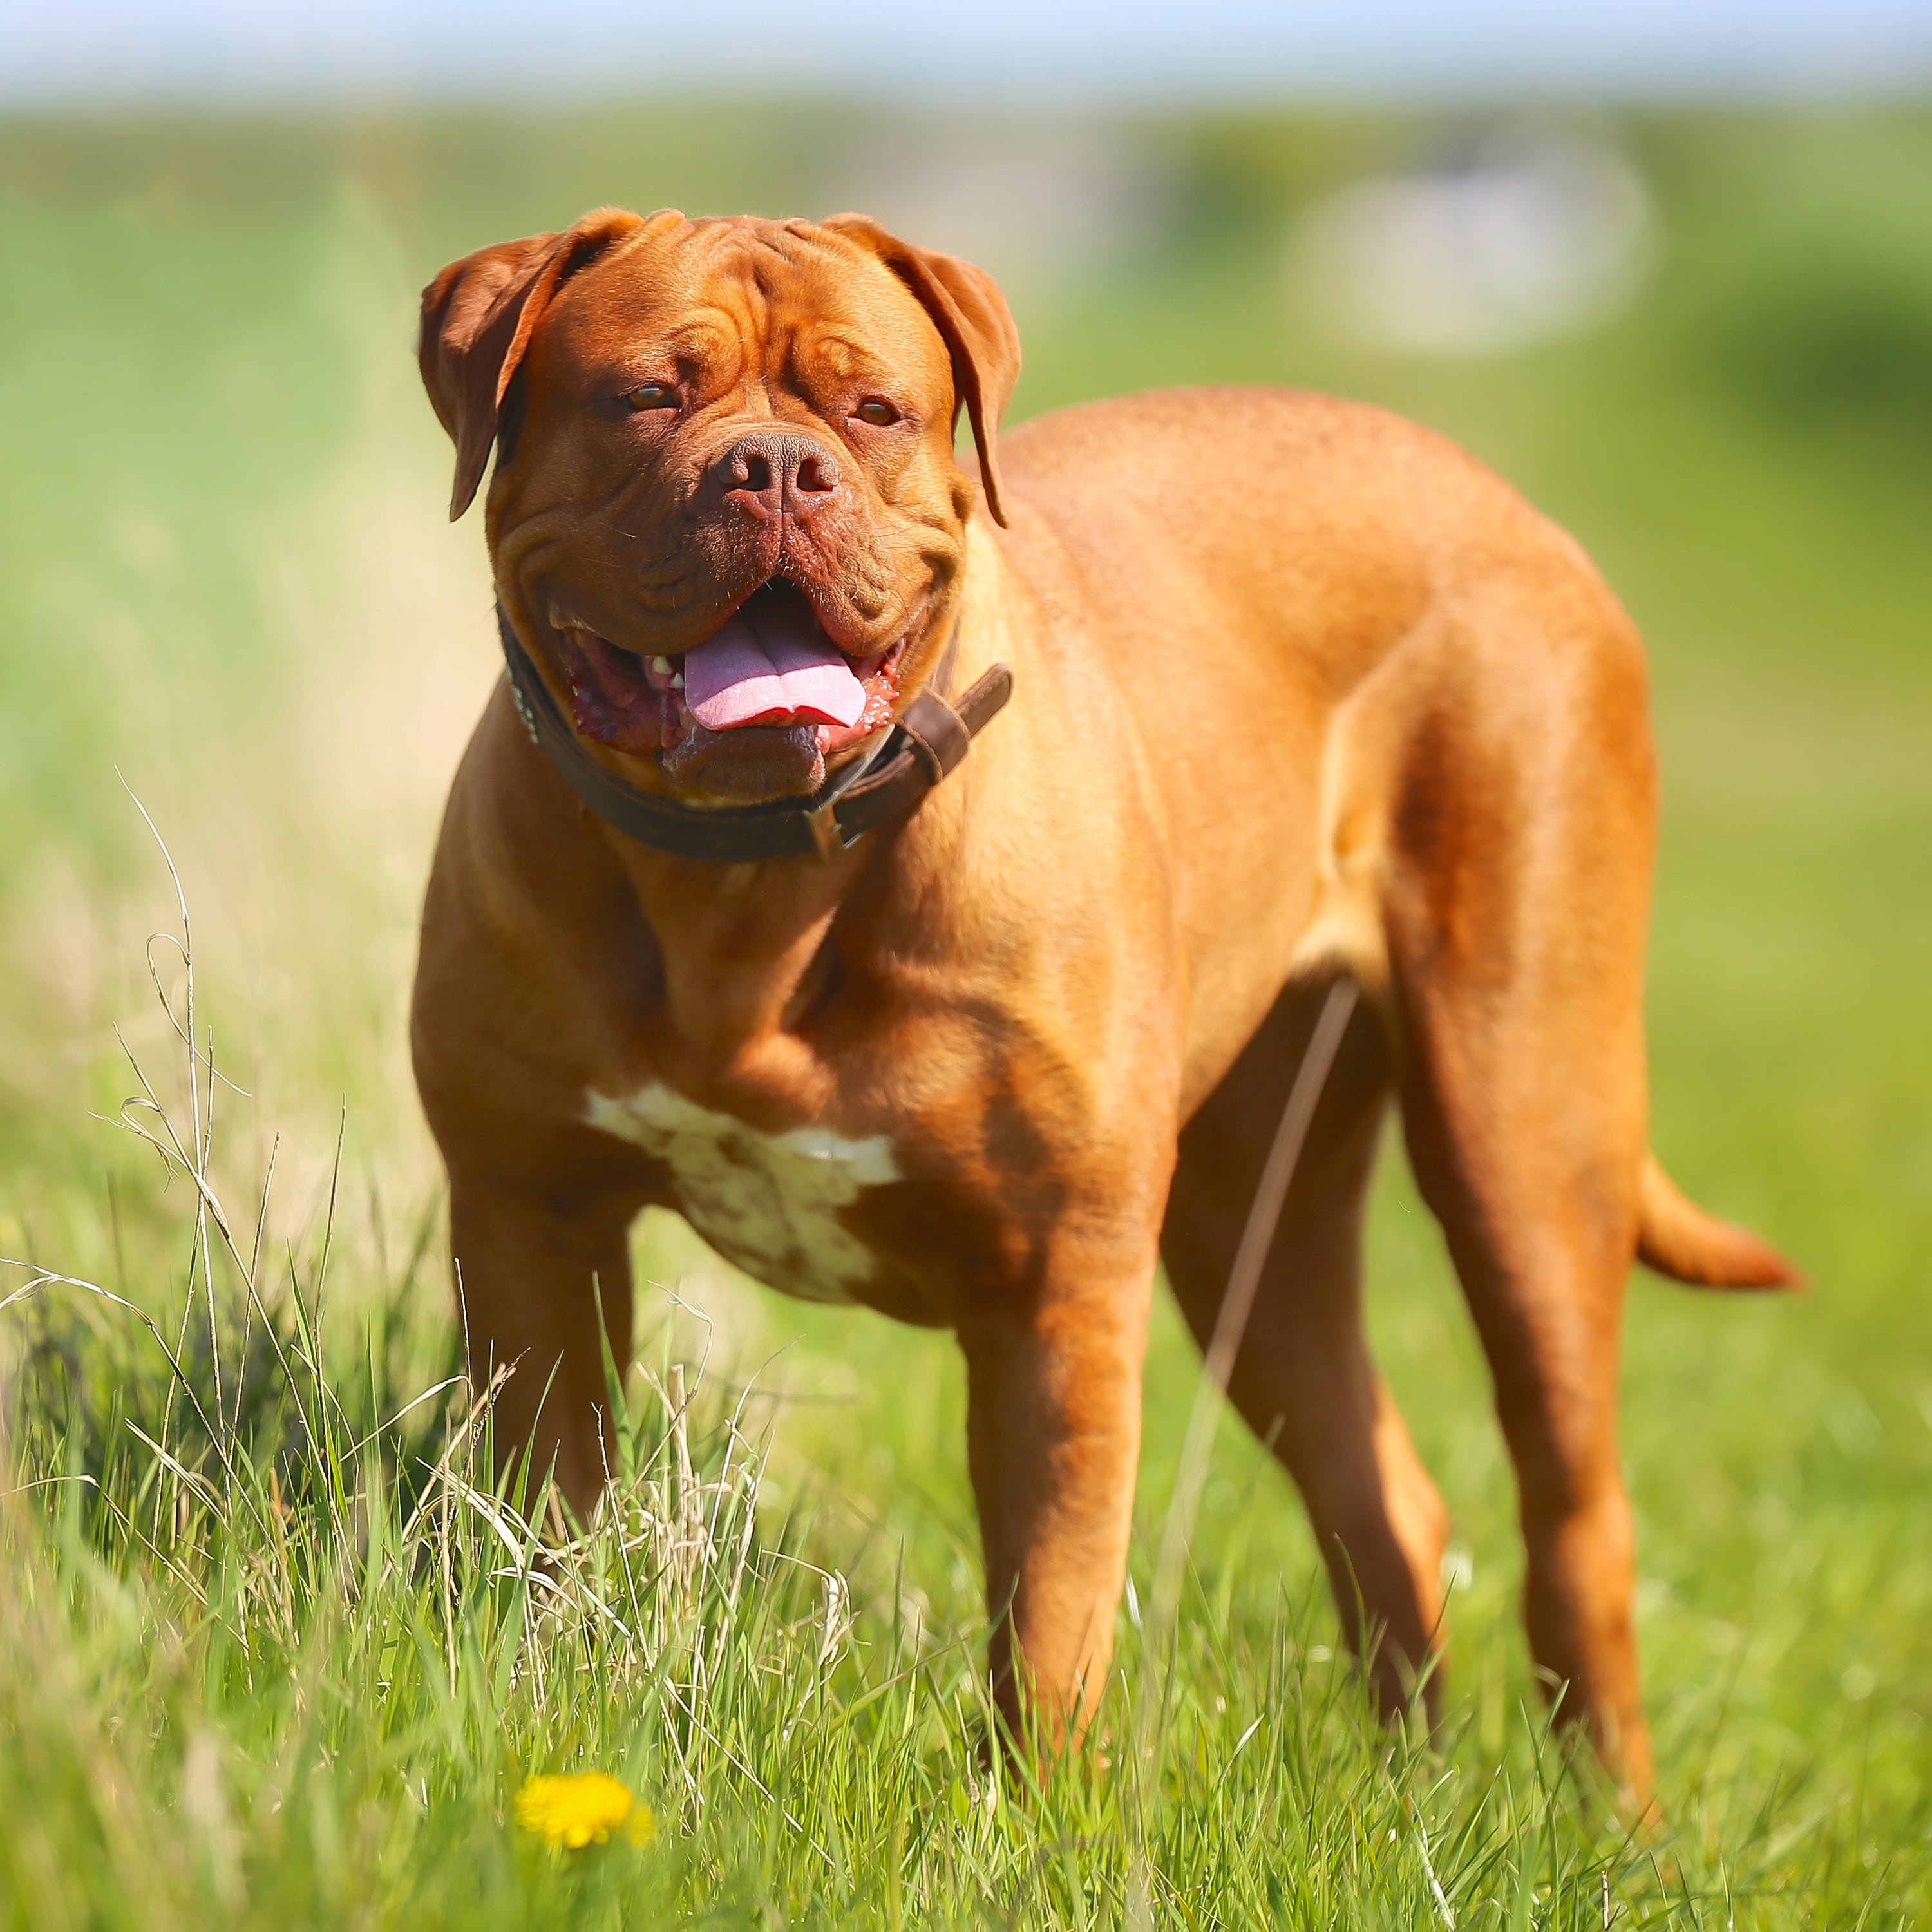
column 771, row 664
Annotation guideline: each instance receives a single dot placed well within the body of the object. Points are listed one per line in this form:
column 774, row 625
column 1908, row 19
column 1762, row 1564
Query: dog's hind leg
column 1518, row 879
column 1303, row 1378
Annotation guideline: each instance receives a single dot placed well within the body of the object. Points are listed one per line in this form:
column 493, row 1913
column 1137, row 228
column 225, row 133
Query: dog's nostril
column 817, row 474
column 750, row 471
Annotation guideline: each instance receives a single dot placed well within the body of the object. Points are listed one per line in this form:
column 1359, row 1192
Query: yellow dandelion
column 570, row 1810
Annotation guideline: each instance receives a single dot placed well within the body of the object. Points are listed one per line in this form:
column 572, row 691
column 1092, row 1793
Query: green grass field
column 272, row 1655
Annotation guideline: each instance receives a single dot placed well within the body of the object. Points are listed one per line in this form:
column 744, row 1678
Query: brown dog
column 1299, row 691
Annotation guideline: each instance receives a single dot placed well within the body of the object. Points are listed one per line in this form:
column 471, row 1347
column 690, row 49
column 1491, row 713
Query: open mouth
column 769, row 665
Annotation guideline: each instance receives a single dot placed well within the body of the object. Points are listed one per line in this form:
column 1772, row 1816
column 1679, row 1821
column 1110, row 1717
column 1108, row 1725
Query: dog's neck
column 749, row 953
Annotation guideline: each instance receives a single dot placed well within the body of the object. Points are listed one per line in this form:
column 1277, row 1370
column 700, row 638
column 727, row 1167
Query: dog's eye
column 652, row 396
column 876, row 411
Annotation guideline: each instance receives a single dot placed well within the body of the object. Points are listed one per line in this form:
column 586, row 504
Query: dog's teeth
column 661, row 666
column 677, row 680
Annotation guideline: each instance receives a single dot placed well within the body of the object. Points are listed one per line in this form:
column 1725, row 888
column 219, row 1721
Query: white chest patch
column 766, row 1202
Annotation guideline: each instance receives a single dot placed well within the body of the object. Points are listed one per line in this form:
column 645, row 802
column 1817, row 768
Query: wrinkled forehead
column 705, row 286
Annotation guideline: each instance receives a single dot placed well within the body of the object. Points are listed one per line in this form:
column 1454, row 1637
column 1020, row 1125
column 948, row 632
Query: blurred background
column 1667, row 268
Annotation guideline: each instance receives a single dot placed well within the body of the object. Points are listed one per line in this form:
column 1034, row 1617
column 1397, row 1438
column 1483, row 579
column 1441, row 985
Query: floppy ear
column 969, row 311
column 477, row 318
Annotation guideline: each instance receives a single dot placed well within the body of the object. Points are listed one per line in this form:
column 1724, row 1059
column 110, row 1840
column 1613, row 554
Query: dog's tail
column 1677, row 1238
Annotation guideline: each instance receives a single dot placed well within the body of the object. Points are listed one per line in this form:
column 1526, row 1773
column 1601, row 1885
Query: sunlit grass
column 277, row 1649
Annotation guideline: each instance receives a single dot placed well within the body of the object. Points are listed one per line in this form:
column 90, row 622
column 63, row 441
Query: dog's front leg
column 534, row 1274
column 1053, row 1436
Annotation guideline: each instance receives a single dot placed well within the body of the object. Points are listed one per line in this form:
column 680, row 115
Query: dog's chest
column 768, row 1203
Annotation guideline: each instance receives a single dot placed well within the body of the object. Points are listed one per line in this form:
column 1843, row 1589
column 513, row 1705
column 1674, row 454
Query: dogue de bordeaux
column 753, row 901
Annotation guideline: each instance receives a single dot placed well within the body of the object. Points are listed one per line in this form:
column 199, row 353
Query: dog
column 755, row 901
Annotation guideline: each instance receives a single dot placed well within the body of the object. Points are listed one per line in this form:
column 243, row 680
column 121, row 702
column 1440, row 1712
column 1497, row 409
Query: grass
column 272, row 1652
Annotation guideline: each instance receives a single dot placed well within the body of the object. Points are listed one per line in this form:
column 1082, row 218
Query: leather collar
column 927, row 741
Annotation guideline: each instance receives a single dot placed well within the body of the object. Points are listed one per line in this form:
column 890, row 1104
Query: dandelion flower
column 571, row 1810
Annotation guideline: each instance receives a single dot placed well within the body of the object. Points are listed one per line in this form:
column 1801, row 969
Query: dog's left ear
column 971, row 316
column 477, row 318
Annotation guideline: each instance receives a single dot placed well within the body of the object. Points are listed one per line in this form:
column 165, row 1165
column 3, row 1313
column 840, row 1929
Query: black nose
column 776, row 472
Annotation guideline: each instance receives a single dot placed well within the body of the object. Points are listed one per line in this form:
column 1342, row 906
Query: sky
column 56, row 52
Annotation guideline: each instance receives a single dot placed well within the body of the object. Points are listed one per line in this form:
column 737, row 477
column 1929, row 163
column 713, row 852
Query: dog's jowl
column 925, row 882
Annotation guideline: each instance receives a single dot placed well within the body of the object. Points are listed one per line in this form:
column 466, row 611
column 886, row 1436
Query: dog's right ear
column 477, row 319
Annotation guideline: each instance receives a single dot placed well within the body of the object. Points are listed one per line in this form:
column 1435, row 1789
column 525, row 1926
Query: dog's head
column 725, row 507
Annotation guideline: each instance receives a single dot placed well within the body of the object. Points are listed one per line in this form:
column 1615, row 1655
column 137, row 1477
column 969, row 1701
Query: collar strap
column 928, row 740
